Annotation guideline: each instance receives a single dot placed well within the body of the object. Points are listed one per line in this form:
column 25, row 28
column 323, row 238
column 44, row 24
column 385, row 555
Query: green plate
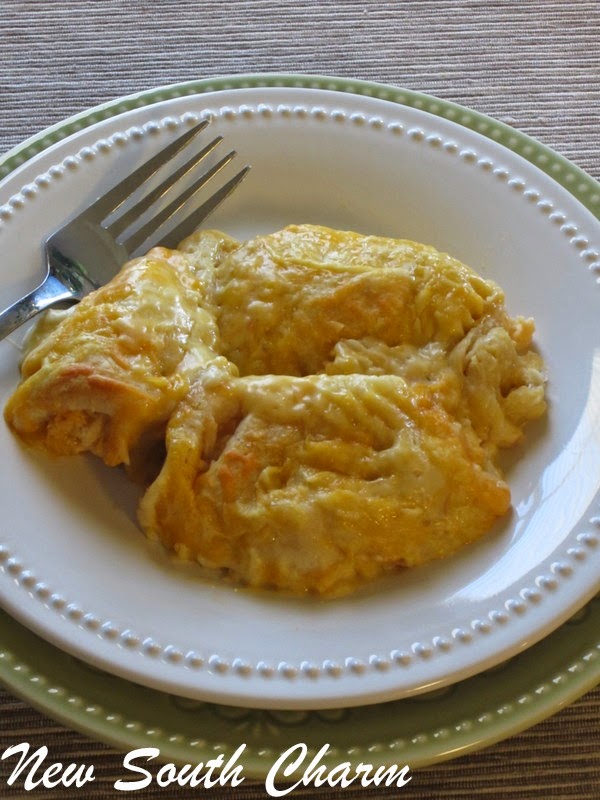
column 418, row 731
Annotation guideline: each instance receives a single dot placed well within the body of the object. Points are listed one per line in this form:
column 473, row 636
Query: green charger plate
column 418, row 731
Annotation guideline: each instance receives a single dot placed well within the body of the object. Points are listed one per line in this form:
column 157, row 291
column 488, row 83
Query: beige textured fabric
column 534, row 64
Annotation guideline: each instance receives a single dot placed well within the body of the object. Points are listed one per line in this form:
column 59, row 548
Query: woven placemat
column 534, row 65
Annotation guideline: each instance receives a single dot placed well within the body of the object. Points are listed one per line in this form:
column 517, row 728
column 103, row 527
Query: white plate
column 75, row 567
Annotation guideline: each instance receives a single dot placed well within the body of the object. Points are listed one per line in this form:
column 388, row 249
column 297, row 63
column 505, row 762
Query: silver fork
column 89, row 250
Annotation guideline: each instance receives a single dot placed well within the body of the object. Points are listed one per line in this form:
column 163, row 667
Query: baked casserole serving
column 308, row 409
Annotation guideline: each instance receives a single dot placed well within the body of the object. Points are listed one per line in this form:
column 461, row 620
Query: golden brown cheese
column 311, row 484
column 108, row 376
column 379, row 379
column 333, row 402
column 285, row 299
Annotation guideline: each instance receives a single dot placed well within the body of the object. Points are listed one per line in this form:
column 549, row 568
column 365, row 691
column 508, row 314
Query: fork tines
column 111, row 212
column 191, row 222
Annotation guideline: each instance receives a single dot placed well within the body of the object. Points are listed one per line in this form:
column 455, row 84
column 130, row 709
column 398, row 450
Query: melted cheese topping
column 110, row 372
column 313, row 483
column 333, row 402
column 285, row 300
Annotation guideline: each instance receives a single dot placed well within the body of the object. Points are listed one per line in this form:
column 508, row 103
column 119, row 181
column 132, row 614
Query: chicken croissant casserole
column 309, row 409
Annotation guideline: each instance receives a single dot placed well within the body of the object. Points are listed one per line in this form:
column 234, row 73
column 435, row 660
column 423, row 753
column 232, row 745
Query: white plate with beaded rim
column 75, row 567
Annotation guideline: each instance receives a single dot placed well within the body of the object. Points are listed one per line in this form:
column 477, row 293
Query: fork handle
column 49, row 293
